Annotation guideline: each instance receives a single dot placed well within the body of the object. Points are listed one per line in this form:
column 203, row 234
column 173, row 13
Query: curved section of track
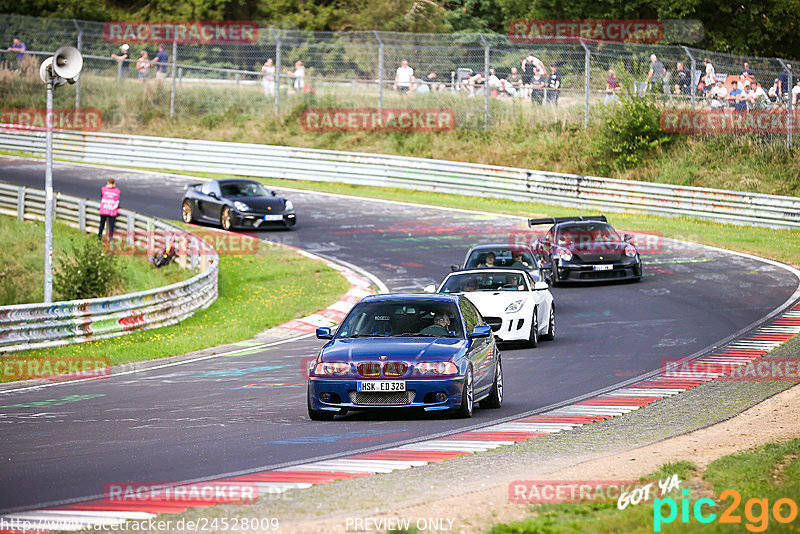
column 239, row 413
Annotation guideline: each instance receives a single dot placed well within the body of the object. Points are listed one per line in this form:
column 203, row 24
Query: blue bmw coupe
column 433, row 352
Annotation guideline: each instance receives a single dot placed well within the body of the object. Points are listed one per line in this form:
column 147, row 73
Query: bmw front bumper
column 343, row 394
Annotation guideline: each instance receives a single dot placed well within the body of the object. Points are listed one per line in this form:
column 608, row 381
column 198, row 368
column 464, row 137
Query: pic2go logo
column 756, row 511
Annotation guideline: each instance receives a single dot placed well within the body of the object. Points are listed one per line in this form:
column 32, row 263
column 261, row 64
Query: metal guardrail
column 30, row 326
column 413, row 173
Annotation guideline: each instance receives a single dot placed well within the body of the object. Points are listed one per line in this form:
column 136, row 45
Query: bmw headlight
column 515, row 306
column 288, row 206
column 241, row 206
column 630, row 251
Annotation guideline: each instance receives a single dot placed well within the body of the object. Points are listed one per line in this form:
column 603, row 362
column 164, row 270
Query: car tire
column 533, row 338
column 225, row 220
column 467, row 396
column 495, row 398
column 551, row 325
column 187, row 213
column 318, row 415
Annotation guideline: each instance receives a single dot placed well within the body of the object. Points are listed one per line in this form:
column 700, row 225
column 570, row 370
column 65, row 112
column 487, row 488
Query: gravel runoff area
column 700, row 425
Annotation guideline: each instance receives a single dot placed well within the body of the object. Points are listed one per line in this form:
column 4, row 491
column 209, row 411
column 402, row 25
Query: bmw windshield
column 406, row 318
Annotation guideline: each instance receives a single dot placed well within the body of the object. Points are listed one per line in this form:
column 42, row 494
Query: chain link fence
column 282, row 72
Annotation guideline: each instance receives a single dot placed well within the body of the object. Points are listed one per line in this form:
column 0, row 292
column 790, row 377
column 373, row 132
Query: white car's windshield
column 500, row 257
column 489, row 281
column 407, row 318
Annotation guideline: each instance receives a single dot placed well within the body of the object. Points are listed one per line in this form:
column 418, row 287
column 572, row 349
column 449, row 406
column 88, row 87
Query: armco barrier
column 28, row 326
column 412, row 173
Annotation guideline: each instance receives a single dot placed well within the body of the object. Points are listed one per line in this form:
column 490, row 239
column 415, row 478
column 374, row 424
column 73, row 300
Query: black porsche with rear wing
column 586, row 249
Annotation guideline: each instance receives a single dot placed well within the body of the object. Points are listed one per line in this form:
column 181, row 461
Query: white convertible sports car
column 516, row 307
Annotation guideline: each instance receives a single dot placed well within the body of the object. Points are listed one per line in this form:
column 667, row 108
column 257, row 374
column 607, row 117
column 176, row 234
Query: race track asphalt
column 246, row 412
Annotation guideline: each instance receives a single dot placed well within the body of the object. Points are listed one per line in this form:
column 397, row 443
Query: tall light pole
column 63, row 67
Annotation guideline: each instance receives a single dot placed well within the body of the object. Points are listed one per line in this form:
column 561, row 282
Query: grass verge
column 764, row 474
column 22, row 280
column 256, row 292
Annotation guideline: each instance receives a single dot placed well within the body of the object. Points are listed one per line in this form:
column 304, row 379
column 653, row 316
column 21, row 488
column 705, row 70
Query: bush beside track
column 21, row 281
column 256, row 292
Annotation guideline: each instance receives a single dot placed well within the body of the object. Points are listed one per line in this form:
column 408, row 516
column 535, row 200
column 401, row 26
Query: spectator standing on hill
column 710, row 78
column 537, row 85
column 268, row 81
column 403, row 78
column 746, row 70
column 553, row 85
column 655, row 76
column 19, row 48
column 612, row 87
column 774, row 92
column 143, row 66
column 109, row 207
column 784, row 79
column 122, row 59
column 161, row 60
column 530, row 65
column 796, row 94
column 683, row 81
column 299, row 76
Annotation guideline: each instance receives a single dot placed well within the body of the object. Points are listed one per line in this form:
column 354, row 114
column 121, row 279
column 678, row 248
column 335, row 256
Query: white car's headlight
column 515, row 306
column 241, row 206
column 288, row 206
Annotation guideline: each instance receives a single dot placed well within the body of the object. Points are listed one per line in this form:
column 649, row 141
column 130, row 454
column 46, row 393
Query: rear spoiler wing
column 556, row 220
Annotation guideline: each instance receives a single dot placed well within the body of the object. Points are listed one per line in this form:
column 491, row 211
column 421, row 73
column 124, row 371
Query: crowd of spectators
column 739, row 92
column 530, row 81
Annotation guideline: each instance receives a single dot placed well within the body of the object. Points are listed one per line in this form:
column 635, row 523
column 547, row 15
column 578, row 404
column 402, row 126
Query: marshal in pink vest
column 109, row 203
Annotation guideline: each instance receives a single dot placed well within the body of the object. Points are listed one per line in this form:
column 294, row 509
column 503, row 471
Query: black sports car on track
column 586, row 249
column 236, row 204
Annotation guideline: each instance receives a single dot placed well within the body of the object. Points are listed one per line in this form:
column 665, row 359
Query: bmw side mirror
column 430, row 289
column 481, row 331
column 324, row 332
column 540, row 286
